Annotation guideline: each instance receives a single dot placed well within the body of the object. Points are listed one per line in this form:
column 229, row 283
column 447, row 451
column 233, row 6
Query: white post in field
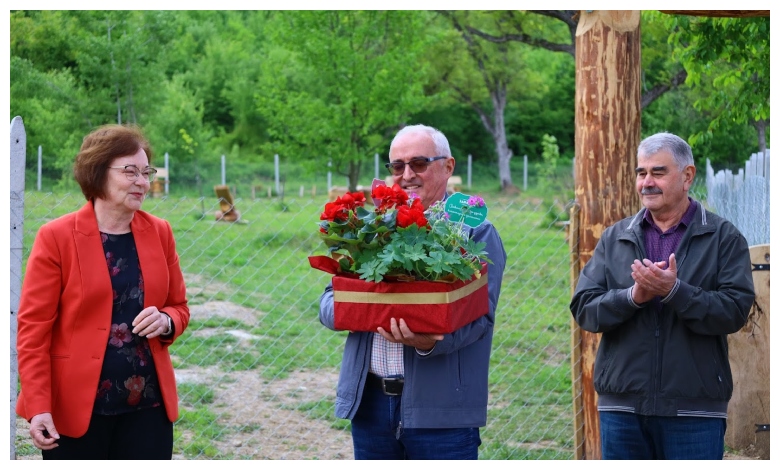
column 276, row 172
column 223, row 170
column 16, row 172
column 40, row 165
column 167, row 173
column 376, row 166
column 525, row 172
column 329, row 174
column 468, row 177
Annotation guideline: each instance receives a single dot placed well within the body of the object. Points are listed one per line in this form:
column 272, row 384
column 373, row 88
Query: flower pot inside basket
column 426, row 307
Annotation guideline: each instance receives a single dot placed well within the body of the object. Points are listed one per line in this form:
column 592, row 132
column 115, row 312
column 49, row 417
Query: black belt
column 388, row 385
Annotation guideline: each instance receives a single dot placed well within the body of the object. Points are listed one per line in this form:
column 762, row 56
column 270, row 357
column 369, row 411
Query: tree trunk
column 760, row 126
column 353, row 175
column 607, row 133
column 503, row 151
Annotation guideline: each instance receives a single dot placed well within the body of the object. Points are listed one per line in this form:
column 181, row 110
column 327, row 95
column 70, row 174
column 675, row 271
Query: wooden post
column 576, row 337
column 607, row 133
column 749, row 357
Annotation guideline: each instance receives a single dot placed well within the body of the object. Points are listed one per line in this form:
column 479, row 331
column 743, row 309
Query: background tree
column 340, row 94
column 246, row 85
column 732, row 54
column 526, row 27
column 496, row 71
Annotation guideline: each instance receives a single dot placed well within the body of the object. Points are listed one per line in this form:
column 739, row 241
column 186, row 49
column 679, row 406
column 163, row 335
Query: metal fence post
column 18, row 156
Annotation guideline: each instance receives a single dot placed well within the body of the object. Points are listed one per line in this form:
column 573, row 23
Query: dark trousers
column 376, row 434
column 139, row 435
column 636, row 437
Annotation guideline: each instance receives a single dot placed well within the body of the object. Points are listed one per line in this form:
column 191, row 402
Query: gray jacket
column 447, row 388
column 673, row 362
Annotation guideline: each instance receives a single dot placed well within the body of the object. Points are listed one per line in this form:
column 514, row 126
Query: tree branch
column 568, row 17
column 658, row 90
column 525, row 39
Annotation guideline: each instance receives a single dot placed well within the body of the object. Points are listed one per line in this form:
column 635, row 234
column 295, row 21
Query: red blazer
column 64, row 316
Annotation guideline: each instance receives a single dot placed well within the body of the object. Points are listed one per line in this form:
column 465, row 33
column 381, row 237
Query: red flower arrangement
column 399, row 239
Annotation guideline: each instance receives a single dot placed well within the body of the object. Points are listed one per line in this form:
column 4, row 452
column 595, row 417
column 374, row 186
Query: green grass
column 262, row 265
column 323, row 410
column 24, row 447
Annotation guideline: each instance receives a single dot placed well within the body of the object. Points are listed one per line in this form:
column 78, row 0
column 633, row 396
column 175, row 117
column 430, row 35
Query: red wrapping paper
column 426, row 306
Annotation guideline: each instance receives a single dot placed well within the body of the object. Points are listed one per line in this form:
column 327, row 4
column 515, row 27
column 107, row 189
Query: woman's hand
column 150, row 323
column 43, row 432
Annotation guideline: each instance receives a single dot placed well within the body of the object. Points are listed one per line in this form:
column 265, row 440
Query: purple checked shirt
column 659, row 245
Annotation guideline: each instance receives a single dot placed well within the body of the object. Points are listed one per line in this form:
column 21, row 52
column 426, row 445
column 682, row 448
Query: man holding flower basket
column 413, row 389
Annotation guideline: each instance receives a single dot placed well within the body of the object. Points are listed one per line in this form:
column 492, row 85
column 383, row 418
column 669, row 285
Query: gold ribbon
column 354, row 297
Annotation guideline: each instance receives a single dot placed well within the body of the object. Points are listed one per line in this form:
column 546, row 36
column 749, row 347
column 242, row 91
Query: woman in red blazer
column 103, row 298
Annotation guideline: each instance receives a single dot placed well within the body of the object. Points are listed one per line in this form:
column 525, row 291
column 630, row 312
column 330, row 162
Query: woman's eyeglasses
column 132, row 172
column 417, row 164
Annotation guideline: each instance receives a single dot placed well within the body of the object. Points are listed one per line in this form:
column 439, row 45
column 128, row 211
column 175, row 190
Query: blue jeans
column 628, row 436
column 376, row 434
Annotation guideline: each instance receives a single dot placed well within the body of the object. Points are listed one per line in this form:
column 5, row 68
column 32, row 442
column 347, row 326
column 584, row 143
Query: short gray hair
column 439, row 140
column 680, row 150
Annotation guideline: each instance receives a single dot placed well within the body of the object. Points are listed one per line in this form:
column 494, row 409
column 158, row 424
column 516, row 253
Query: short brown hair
column 99, row 149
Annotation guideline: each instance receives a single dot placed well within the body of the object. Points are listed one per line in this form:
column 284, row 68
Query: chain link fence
column 257, row 372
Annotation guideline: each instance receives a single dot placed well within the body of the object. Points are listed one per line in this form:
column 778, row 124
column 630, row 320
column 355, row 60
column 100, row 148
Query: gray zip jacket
column 673, row 362
column 447, row 388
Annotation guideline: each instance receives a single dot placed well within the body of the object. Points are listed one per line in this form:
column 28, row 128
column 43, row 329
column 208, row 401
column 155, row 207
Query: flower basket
column 430, row 307
column 403, row 261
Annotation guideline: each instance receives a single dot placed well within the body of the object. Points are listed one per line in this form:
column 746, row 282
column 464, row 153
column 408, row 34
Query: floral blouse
column 128, row 381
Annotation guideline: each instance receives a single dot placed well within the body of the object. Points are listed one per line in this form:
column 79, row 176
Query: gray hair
column 439, row 140
column 680, row 150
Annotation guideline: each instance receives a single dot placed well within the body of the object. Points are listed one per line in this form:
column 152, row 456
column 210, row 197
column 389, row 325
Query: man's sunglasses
column 417, row 164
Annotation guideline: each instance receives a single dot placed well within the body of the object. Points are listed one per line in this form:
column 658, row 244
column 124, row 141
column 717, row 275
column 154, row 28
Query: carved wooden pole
column 607, row 133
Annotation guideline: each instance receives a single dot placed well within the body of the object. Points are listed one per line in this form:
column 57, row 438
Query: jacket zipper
column 656, row 378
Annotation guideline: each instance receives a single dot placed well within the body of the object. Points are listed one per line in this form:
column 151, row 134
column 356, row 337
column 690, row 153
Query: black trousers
column 140, row 435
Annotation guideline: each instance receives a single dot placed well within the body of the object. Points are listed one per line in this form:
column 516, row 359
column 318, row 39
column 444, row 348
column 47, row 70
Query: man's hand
column 39, row 424
column 400, row 333
column 651, row 279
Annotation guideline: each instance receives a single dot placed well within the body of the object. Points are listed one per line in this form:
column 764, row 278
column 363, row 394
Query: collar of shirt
column 685, row 221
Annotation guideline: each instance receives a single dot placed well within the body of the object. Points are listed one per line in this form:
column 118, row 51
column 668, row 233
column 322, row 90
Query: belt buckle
column 393, row 381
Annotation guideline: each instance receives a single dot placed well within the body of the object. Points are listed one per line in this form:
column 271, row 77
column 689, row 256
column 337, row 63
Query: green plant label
column 472, row 210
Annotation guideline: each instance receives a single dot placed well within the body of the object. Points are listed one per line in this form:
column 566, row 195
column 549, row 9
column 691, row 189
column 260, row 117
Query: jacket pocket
column 602, row 372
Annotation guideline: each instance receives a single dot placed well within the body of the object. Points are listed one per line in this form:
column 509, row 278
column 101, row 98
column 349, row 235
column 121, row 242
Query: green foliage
column 339, row 94
column 730, row 58
column 551, row 157
column 246, row 85
column 547, row 109
column 674, row 112
column 554, row 172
